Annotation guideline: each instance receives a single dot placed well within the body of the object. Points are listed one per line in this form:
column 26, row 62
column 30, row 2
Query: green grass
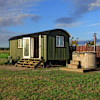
column 2, row 60
column 4, row 55
column 48, row 85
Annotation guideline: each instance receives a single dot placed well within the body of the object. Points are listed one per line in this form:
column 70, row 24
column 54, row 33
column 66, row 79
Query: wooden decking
column 30, row 63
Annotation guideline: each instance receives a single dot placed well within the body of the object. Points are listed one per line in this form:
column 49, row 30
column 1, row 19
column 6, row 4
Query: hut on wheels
column 45, row 47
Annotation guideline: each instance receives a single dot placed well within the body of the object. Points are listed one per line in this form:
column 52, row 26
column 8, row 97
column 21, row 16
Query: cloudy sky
column 81, row 18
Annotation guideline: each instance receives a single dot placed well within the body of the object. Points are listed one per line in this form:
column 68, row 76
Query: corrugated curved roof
column 38, row 33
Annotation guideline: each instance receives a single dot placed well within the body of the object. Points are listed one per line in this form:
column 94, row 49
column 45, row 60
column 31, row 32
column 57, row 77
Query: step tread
column 24, row 65
column 27, row 62
column 73, row 66
column 74, row 62
column 32, row 59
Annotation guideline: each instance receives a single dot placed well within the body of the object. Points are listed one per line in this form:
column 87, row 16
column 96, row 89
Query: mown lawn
column 49, row 85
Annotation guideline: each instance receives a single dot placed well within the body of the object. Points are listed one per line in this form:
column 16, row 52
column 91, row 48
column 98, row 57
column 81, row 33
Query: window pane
column 18, row 43
column 26, row 47
column 61, row 41
column 22, row 42
column 57, row 41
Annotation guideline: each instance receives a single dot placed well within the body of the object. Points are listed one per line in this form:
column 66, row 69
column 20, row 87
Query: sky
column 81, row 18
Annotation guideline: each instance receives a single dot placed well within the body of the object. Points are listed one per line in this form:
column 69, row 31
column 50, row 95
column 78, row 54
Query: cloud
column 94, row 5
column 35, row 18
column 11, row 4
column 94, row 24
column 4, row 41
column 17, row 20
column 65, row 20
column 14, row 7
column 4, row 36
column 68, row 25
column 14, row 12
column 81, row 7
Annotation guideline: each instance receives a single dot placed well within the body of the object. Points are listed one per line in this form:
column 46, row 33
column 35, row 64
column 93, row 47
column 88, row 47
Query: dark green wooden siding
column 49, row 51
column 14, row 50
column 57, row 53
column 44, row 47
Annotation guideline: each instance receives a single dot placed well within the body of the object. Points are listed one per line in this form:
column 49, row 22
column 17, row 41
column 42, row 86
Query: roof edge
column 37, row 33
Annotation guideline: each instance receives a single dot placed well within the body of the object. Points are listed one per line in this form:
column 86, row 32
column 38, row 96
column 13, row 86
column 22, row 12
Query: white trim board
column 39, row 46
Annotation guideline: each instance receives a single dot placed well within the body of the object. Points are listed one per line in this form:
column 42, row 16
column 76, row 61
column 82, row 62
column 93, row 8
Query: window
column 20, row 43
column 59, row 41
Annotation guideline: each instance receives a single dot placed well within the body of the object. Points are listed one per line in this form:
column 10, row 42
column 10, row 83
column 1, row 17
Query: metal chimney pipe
column 94, row 42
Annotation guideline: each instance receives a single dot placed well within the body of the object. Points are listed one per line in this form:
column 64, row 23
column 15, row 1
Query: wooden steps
column 74, row 64
column 30, row 63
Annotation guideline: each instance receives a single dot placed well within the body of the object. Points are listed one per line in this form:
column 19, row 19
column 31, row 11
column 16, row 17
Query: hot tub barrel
column 87, row 59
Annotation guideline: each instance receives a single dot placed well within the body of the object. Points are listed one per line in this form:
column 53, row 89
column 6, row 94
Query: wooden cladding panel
column 44, row 47
column 58, row 53
column 14, row 50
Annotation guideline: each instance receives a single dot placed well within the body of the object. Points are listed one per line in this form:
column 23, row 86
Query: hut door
column 26, row 47
column 36, row 47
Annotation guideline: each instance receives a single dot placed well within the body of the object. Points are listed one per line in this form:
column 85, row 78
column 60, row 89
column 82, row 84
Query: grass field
column 3, row 57
column 49, row 85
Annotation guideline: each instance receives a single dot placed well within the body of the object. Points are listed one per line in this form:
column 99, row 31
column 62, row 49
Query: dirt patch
column 13, row 68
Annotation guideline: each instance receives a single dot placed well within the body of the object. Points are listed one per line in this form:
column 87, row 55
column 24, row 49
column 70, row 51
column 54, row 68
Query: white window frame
column 20, row 44
column 59, row 41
